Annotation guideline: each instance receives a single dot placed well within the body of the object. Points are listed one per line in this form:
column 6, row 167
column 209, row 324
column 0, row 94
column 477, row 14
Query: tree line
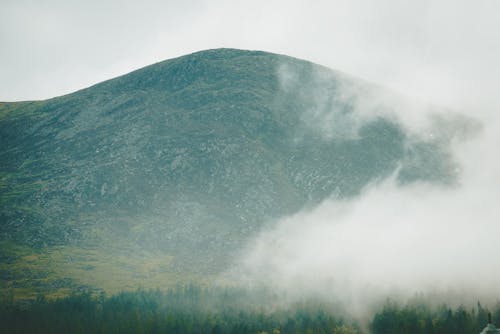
column 193, row 309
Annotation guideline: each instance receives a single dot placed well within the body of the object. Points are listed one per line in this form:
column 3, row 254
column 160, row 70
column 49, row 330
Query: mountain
column 166, row 172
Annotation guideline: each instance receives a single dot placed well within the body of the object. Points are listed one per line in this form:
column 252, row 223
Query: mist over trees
column 189, row 309
column 195, row 309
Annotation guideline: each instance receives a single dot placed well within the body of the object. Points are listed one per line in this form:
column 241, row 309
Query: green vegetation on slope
column 185, row 160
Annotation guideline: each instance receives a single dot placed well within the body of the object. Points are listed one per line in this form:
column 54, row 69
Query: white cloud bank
column 393, row 240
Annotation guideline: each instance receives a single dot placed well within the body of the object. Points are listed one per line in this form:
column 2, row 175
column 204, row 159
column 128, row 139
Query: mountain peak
column 190, row 156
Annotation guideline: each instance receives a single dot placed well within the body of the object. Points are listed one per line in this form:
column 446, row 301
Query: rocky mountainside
column 191, row 156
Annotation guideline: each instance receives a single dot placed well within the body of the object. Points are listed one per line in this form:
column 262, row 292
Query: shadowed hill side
column 187, row 158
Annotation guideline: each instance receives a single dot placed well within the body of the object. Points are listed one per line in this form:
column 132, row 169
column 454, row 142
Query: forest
column 194, row 309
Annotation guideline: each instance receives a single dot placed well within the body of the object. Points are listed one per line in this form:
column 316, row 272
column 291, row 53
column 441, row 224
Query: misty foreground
column 193, row 309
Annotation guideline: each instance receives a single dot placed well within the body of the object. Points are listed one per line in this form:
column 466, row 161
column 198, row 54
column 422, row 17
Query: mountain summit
column 184, row 160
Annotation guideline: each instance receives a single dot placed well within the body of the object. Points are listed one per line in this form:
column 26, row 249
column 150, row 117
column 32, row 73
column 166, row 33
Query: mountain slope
column 189, row 157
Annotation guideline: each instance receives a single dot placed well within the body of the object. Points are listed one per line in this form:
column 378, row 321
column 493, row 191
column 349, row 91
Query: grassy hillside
column 161, row 175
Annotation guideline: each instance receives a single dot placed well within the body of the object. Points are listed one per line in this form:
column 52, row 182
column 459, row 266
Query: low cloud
column 392, row 240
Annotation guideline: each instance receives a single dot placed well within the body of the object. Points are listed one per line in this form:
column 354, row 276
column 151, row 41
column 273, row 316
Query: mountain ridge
column 189, row 157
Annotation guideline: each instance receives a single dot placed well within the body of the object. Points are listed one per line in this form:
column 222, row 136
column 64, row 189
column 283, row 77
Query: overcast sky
column 445, row 51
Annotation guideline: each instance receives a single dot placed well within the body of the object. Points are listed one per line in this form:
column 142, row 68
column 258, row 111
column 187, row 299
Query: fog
column 393, row 240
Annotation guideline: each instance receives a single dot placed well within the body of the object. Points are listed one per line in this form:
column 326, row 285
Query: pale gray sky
column 443, row 50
